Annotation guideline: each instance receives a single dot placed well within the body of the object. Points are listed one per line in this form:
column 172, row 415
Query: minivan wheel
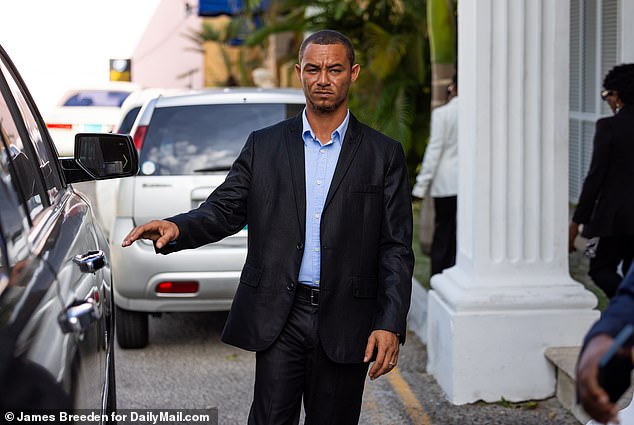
column 131, row 328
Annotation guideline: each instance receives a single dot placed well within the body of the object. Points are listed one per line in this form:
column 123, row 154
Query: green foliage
column 237, row 28
column 522, row 405
column 442, row 30
column 392, row 93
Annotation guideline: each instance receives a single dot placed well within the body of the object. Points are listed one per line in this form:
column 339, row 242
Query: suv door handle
column 91, row 261
column 78, row 317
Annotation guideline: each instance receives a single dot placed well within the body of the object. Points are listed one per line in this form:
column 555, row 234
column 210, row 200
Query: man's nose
column 323, row 78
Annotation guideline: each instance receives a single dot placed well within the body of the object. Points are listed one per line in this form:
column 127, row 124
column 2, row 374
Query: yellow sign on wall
column 120, row 70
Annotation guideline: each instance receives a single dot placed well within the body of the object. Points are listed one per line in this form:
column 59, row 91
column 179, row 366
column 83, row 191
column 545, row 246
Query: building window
column 594, row 45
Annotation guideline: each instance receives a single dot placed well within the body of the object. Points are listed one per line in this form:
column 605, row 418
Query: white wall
column 59, row 44
column 164, row 54
column 627, row 31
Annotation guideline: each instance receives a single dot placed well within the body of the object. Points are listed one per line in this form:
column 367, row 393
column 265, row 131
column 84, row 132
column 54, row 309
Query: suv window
column 183, row 140
column 45, row 156
column 128, row 120
column 17, row 157
column 13, row 231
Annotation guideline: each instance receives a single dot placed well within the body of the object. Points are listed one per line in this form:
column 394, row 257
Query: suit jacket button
column 290, row 286
column 300, row 246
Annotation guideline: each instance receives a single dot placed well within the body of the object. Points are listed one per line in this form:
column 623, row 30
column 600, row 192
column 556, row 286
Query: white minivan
column 187, row 143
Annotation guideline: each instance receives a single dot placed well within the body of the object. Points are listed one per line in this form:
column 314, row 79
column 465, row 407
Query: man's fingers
column 163, row 240
column 369, row 349
column 593, row 397
column 130, row 237
column 387, row 353
column 161, row 231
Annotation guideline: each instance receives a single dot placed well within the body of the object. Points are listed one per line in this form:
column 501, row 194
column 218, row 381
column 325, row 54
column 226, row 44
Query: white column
column 510, row 295
column 626, row 29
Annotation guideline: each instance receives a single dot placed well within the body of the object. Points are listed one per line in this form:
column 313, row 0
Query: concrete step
column 565, row 360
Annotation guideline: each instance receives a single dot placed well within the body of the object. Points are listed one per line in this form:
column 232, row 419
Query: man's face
column 326, row 76
column 612, row 97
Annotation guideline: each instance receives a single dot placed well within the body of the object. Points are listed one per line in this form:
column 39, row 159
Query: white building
column 601, row 34
column 530, row 76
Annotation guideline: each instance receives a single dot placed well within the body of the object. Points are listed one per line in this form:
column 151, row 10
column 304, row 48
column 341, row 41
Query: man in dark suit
column 606, row 203
column 326, row 285
column 606, row 208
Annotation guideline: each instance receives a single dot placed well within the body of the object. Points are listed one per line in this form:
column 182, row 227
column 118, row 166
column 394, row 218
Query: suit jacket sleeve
column 596, row 174
column 395, row 252
column 619, row 312
column 222, row 214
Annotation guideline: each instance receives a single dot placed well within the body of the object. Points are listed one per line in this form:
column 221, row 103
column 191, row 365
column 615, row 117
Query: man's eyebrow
column 314, row 65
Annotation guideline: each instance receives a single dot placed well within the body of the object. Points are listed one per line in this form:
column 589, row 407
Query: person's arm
column 573, row 232
column 593, row 182
column 432, row 156
column 619, row 313
column 222, row 214
column 396, row 263
column 592, row 396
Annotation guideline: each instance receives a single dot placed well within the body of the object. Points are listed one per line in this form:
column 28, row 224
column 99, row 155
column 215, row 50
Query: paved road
column 186, row 366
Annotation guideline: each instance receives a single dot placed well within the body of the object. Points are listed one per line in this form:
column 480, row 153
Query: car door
column 64, row 271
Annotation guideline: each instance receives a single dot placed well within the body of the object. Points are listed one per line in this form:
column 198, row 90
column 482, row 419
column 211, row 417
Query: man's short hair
column 325, row 37
column 621, row 79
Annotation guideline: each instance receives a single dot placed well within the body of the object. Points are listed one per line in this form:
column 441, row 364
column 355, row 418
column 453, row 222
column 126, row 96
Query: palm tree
column 441, row 24
column 226, row 35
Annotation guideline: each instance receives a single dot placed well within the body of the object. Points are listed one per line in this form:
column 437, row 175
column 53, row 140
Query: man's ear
column 355, row 71
column 298, row 72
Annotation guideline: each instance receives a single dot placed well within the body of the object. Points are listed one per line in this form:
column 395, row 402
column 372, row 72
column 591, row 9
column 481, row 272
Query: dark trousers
column 295, row 366
column 443, row 245
column 611, row 251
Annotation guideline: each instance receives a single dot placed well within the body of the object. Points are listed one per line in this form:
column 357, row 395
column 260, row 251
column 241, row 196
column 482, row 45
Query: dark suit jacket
column 606, row 204
column 618, row 313
column 366, row 237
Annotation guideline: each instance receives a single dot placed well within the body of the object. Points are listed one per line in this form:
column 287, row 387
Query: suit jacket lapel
column 349, row 148
column 295, row 149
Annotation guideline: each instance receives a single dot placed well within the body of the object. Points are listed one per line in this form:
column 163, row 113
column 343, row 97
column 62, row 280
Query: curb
column 417, row 316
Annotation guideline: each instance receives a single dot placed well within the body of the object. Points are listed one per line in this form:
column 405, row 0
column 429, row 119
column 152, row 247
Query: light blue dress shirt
column 320, row 162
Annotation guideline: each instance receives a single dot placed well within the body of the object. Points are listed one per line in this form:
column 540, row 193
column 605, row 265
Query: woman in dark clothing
column 606, row 204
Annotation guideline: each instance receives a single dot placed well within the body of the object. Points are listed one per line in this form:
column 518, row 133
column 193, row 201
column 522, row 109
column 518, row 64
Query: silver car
column 187, row 144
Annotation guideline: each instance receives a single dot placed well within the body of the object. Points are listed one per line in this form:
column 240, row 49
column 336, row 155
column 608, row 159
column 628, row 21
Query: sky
column 60, row 44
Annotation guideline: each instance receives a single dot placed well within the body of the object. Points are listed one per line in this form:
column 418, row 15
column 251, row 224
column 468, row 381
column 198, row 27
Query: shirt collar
column 337, row 136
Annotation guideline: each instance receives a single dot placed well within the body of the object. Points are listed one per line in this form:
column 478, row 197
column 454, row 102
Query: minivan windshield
column 113, row 98
column 194, row 139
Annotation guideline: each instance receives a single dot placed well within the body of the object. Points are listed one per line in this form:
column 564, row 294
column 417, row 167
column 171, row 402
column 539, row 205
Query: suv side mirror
column 100, row 156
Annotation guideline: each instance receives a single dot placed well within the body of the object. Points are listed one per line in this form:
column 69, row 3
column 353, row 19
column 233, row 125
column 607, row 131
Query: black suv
column 56, row 307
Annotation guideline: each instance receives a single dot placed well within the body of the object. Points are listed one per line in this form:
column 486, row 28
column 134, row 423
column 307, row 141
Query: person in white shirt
column 438, row 178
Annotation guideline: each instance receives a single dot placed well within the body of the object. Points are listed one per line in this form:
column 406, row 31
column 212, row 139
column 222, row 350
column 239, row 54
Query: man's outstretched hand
column 160, row 231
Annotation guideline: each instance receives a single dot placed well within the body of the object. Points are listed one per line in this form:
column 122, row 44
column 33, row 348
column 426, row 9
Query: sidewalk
column 437, row 410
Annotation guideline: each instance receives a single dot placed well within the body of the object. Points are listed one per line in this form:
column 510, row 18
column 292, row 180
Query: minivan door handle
column 91, row 261
column 78, row 317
